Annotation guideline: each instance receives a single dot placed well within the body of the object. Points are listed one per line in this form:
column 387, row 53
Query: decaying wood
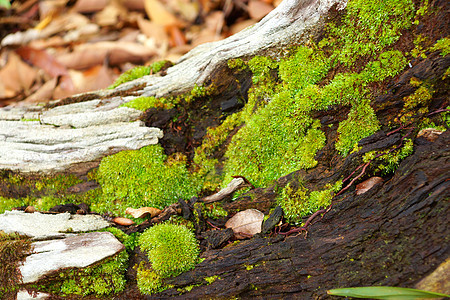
column 76, row 136
column 391, row 235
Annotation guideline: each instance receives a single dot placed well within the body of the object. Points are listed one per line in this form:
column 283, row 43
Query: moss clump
column 367, row 28
column 144, row 103
column 130, row 241
column 14, row 248
column 443, row 45
column 145, row 177
column 107, row 277
column 171, row 249
column 297, row 201
column 139, row 72
column 389, row 160
column 361, row 122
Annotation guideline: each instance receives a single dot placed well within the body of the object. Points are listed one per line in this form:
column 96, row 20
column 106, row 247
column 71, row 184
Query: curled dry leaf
column 143, row 212
column 367, row 185
column 123, row 221
column 30, row 209
column 247, row 222
column 430, row 134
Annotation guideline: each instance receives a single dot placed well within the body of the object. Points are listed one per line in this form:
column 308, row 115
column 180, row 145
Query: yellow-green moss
column 104, row 278
column 298, row 201
column 13, row 250
column 367, row 28
column 145, row 177
column 389, row 162
column 139, row 72
column 171, row 249
column 443, row 45
column 144, row 103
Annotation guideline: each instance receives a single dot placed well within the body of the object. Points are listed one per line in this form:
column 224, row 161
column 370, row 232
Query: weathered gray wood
column 73, row 252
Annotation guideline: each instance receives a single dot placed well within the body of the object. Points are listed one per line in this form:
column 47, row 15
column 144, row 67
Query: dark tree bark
column 392, row 235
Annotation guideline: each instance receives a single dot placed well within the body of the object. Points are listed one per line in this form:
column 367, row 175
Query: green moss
column 105, row 278
column 148, row 281
column 211, row 279
column 139, row 72
column 389, row 162
column 145, row 177
column 367, row 28
column 274, row 142
column 171, row 249
column 144, row 103
column 237, row 64
column 14, row 248
column 443, row 45
column 361, row 122
column 42, row 192
column 307, row 66
column 297, row 201
column 129, row 241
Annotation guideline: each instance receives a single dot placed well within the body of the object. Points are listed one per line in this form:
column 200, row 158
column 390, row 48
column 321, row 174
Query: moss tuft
column 171, row 249
column 297, row 201
column 139, row 72
column 145, row 177
column 14, row 248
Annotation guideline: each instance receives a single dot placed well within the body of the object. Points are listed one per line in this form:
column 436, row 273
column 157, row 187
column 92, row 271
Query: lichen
column 171, row 250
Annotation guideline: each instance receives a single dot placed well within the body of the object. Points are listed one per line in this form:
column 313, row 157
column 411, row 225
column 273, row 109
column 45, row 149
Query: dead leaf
column 88, row 55
column 90, row 6
column 43, row 60
column 367, row 185
column 143, row 212
column 430, row 134
column 177, row 38
column 123, row 221
column 159, row 14
column 247, row 222
column 16, row 76
column 258, row 9
column 43, row 94
column 236, row 27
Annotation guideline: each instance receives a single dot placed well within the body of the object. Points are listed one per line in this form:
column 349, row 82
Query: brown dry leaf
column 247, row 222
column 134, row 4
column 90, row 6
column 143, row 212
column 430, row 134
column 15, row 77
column 258, row 9
column 88, row 55
column 43, row 94
column 189, row 10
column 367, row 185
column 154, row 31
column 48, row 63
column 65, row 22
column 158, row 13
column 111, row 14
column 177, row 37
column 123, row 221
column 236, row 27
column 50, row 8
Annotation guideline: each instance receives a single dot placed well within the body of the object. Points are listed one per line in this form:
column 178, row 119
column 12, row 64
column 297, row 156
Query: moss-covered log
column 394, row 235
